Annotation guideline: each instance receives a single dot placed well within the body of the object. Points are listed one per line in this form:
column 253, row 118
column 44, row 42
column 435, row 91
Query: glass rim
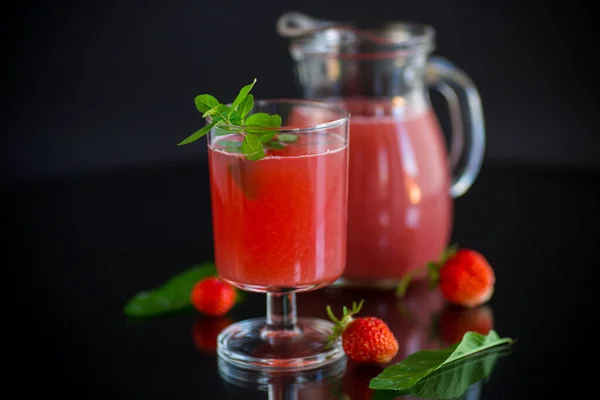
column 305, row 128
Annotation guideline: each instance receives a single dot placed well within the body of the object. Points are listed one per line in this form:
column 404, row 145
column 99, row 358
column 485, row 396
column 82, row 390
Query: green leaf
column 229, row 143
column 235, row 118
column 245, row 106
column 262, row 120
column 173, row 295
column 287, row 138
column 417, row 366
column 198, row 134
column 274, row 145
column 220, row 130
column 218, row 112
column 267, row 137
column 252, row 148
column 231, row 146
column 452, row 380
column 205, row 102
column 242, row 95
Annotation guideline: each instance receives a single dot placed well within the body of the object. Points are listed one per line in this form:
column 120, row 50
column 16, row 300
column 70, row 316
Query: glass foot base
column 250, row 345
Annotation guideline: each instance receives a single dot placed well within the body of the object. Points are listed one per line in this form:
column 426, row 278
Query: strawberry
column 366, row 340
column 463, row 276
column 206, row 330
column 211, row 296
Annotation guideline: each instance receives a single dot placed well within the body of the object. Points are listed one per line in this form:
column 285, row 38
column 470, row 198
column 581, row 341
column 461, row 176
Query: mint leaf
column 252, row 148
column 267, row 137
column 242, row 95
column 231, row 146
column 173, row 295
column 205, row 102
column 287, row 138
column 263, row 120
column 198, row 134
column 274, row 145
column 220, row 130
column 229, row 143
column 218, row 112
column 452, row 380
column 245, row 106
column 418, row 365
column 235, row 118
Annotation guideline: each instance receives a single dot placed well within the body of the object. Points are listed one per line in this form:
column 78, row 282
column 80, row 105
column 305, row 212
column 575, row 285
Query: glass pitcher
column 402, row 177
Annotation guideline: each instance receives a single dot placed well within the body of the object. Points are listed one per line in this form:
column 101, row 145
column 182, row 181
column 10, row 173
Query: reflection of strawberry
column 455, row 321
column 356, row 381
column 366, row 340
column 464, row 277
column 206, row 330
column 211, row 296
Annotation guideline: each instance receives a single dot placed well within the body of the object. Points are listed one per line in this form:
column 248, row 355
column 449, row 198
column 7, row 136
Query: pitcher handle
column 466, row 120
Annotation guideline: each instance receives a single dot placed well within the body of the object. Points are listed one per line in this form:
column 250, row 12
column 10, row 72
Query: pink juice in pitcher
column 399, row 207
column 403, row 176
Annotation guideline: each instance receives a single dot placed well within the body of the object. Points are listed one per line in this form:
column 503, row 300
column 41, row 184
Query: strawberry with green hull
column 464, row 277
column 366, row 340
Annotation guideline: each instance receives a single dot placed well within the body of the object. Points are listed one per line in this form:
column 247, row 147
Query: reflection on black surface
column 318, row 384
column 206, row 330
column 411, row 319
column 454, row 321
column 420, row 321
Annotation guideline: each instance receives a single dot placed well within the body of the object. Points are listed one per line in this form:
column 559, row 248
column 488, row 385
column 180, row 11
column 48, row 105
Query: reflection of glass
column 402, row 179
column 317, row 384
column 280, row 228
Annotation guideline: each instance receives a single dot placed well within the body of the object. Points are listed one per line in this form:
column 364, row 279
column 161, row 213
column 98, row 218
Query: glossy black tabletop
column 81, row 248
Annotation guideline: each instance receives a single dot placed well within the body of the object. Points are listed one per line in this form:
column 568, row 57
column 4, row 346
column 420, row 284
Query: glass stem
column 281, row 312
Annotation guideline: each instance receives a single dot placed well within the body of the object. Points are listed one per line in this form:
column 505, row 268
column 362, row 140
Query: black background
column 99, row 202
column 97, row 86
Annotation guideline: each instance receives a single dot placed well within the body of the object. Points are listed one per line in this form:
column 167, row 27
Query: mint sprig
column 259, row 130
